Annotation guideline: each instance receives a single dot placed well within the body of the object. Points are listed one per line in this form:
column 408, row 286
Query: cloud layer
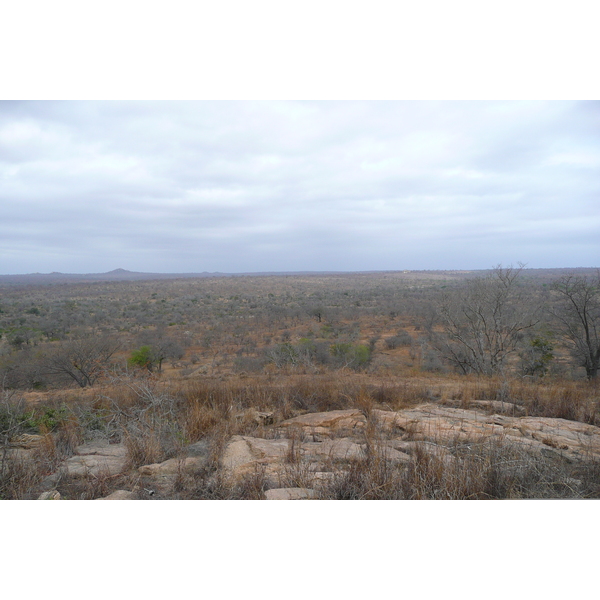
column 285, row 186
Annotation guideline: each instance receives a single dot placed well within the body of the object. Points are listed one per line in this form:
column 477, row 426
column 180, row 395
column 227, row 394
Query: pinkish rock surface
column 173, row 466
column 313, row 449
column 291, row 494
column 120, row 495
column 96, row 458
column 431, row 428
column 327, row 421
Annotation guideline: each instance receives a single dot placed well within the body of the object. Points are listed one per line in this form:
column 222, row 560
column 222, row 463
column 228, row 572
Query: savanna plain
column 382, row 385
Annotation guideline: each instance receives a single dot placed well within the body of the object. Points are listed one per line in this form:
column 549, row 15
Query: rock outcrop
column 95, row 459
column 571, row 440
column 305, row 453
column 323, row 442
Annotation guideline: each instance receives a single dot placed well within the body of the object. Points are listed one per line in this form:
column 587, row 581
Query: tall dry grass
column 491, row 471
column 157, row 419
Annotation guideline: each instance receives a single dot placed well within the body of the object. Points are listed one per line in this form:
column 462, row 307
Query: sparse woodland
column 390, row 385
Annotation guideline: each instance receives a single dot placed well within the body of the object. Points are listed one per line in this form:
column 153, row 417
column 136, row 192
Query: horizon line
column 121, row 270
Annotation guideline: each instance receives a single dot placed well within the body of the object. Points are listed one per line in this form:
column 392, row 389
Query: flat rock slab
column 173, row 466
column 120, row 495
column 578, row 441
column 430, row 422
column 243, row 454
column 388, row 452
column 402, row 435
column 96, row 458
column 328, row 421
column 243, row 451
column 336, row 449
column 291, row 494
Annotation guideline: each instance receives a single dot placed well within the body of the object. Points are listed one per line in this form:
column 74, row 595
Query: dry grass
column 157, row 419
column 489, row 471
column 555, row 398
column 17, row 478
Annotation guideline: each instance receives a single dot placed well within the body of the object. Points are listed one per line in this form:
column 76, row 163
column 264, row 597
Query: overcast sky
column 289, row 186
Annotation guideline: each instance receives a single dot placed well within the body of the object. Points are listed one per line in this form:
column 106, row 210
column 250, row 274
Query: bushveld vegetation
column 162, row 365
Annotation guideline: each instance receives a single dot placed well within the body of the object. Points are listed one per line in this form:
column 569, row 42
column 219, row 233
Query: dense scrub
column 160, row 365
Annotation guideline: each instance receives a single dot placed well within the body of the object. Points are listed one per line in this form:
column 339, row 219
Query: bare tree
column 83, row 360
column 161, row 347
column 484, row 321
column 579, row 319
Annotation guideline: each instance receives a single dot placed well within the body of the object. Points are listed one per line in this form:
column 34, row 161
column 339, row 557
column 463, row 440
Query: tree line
column 487, row 324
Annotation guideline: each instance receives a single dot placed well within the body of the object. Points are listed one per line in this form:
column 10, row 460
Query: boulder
column 243, row 451
column 96, row 458
column 120, row 495
column 50, row 495
column 173, row 466
column 291, row 494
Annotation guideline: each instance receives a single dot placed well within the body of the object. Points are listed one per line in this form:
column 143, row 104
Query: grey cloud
column 312, row 185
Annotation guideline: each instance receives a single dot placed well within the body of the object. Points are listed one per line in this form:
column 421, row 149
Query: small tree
column 536, row 356
column 578, row 319
column 484, row 321
column 166, row 348
column 150, row 356
column 83, row 360
column 142, row 358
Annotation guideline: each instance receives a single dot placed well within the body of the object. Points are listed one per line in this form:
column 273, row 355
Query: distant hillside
column 123, row 275
column 55, row 278
column 116, row 275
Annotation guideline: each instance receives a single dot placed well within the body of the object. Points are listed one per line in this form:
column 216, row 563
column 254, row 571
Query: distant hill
column 116, row 275
column 55, row 278
column 124, row 275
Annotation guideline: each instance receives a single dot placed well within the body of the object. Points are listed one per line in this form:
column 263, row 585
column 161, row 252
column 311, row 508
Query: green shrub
column 537, row 356
column 51, row 419
column 355, row 356
column 143, row 358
